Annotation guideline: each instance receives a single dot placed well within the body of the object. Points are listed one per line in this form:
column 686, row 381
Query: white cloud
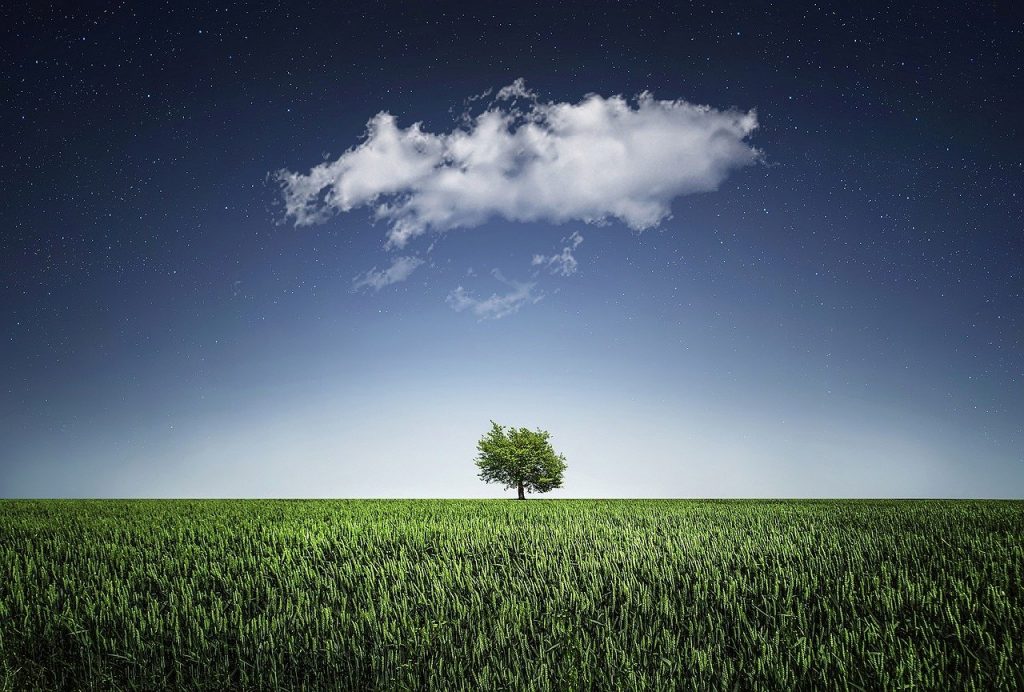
column 497, row 306
column 516, row 90
column 399, row 270
column 564, row 262
column 525, row 160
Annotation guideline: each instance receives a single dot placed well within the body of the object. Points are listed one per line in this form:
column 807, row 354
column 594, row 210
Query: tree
column 519, row 458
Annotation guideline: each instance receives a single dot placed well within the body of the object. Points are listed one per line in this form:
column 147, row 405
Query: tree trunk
column 522, row 493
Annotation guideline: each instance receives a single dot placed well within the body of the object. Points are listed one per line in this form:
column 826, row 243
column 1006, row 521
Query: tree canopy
column 519, row 458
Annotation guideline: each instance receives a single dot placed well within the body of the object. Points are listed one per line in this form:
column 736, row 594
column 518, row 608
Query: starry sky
column 832, row 306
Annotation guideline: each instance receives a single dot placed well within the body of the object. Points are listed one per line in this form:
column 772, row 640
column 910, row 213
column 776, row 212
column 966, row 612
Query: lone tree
column 519, row 458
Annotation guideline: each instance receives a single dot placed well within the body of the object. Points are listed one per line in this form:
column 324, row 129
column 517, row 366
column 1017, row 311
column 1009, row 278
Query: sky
column 717, row 250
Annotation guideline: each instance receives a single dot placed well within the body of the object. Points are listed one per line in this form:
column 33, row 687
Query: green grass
column 506, row 595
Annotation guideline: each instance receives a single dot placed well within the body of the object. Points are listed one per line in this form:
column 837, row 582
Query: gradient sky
column 843, row 317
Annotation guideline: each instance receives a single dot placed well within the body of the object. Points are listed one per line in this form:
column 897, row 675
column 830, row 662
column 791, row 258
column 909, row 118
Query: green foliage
column 487, row 595
column 519, row 458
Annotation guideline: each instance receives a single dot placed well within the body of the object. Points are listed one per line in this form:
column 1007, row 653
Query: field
column 583, row 595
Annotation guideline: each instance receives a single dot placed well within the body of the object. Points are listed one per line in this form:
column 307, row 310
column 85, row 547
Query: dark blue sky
column 842, row 318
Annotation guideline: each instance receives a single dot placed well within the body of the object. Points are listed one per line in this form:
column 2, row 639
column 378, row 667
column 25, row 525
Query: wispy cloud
column 526, row 160
column 564, row 263
column 497, row 305
column 377, row 279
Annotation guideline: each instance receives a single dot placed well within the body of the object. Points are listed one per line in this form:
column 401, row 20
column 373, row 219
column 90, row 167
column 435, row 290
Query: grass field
column 447, row 595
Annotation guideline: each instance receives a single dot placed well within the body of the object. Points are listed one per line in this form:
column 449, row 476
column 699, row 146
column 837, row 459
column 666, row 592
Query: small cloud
column 515, row 90
column 564, row 263
column 400, row 270
column 497, row 306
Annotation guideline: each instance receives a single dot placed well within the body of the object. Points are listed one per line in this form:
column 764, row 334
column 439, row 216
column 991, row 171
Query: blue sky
column 839, row 317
